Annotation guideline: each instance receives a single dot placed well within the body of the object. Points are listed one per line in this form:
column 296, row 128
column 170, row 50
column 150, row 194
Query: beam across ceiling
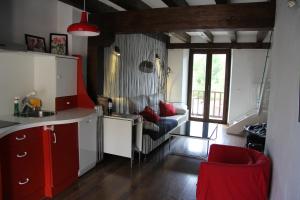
column 218, row 45
column 93, row 6
column 245, row 16
column 184, row 37
column 261, row 35
column 207, row 36
column 176, row 3
column 233, row 36
column 222, row 1
column 179, row 35
column 131, row 4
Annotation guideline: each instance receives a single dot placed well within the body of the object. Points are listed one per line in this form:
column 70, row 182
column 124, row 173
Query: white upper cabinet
column 66, row 77
column 54, row 77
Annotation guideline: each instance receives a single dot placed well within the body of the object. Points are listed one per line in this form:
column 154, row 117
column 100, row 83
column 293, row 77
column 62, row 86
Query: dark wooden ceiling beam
column 218, row 45
column 222, row 1
column 207, row 36
column 176, row 3
column 93, row 6
column 233, row 36
column 131, row 4
column 245, row 16
column 184, row 37
column 261, row 35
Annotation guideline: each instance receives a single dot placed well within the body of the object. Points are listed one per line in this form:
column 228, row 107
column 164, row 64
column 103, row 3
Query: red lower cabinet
column 61, row 157
column 22, row 165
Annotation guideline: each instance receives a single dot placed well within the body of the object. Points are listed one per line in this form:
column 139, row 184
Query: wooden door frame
column 209, row 53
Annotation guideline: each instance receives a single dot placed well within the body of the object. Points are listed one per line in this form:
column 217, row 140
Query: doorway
column 208, row 90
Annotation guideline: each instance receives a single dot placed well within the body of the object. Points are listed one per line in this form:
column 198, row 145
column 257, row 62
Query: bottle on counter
column 110, row 105
column 16, row 106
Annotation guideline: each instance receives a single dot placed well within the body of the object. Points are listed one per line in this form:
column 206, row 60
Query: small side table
column 119, row 134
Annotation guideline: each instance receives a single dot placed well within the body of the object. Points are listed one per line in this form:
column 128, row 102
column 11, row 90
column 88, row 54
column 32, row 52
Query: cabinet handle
column 24, row 182
column 21, row 138
column 68, row 102
column 54, row 137
column 22, row 155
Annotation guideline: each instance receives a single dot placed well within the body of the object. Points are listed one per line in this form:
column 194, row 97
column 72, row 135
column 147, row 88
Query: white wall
column 246, row 75
column 177, row 84
column 33, row 17
column 247, row 68
column 16, row 79
column 39, row 18
column 283, row 134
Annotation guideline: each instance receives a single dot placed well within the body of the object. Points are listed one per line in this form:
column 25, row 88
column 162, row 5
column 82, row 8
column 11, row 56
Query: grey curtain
column 122, row 77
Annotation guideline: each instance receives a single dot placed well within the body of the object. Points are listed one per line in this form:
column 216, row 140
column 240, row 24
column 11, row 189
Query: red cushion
column 166, row 109
column 149, row 114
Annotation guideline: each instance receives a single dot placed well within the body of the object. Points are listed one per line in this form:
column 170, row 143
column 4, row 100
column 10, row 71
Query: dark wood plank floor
column 162, row 176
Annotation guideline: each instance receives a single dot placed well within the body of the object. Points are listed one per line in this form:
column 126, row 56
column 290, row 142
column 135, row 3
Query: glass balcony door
column 209, row 72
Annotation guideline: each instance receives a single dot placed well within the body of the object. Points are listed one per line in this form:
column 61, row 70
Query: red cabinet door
column 63, row 169
column 64, row 103
column 23, row 165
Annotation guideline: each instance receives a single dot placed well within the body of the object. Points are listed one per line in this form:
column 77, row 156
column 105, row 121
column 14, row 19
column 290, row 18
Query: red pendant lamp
column 83, row 28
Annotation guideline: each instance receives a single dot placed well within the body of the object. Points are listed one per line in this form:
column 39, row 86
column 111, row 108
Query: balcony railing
column 216, row 104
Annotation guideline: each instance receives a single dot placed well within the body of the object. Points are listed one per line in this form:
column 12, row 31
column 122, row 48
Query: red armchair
column 234, row 173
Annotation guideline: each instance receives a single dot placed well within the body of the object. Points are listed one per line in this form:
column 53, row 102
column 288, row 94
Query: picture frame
column 59, row 43
column 35, row 43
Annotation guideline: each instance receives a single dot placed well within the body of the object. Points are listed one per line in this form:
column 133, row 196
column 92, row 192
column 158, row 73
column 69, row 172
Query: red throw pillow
column 149, row 114
column 166, row 109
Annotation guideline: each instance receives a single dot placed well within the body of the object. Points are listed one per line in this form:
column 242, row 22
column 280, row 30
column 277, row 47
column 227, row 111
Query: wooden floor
column 162, row 176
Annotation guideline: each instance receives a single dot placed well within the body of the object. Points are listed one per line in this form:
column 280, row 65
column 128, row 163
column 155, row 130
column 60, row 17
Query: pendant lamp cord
column 84, row 5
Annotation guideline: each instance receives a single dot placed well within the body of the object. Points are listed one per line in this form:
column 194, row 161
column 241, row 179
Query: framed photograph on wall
column 35, row 43
column 59, row 43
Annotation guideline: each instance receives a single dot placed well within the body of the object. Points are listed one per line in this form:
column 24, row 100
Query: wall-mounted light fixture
column 157, row 57
column 292, row 3
column 117, row 51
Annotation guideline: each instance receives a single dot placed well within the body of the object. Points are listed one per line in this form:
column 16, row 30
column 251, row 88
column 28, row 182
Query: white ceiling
column 155, row 3
column 200, row 2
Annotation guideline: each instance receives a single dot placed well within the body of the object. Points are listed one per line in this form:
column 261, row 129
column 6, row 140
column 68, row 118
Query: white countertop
column 61, row 117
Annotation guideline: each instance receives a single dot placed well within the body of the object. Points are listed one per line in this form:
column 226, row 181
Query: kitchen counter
column 61, row 117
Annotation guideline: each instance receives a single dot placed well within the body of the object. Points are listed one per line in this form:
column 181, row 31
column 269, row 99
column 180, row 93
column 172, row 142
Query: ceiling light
column 83, row 28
